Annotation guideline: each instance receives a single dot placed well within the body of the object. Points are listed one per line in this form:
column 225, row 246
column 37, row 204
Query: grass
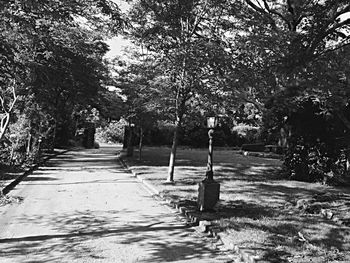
column 273, row 218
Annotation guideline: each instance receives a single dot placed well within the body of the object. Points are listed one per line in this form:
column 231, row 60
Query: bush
column 196, row 137
column 246, row 134
column 112, row 132
column 313, row 153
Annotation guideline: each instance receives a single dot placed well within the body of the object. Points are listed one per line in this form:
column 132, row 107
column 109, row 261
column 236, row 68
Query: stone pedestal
column 208, row 194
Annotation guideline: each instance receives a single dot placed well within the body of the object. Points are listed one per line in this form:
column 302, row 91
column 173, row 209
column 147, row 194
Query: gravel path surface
column 84, row 207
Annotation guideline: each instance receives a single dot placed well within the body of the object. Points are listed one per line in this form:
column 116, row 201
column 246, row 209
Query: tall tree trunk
column 130, row 147
column 6, row 109
column 125, row 137
column 140, row 143
column 53, row 141
column 173, row 154
column 180, row 107
column 5, row 121
column 29, row 143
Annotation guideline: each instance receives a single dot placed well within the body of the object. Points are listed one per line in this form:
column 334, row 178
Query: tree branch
column 267, row 7
column 5, row 117
column 2, row 100
column 328, row 32
column 337, row 47
column 14, row 99
column 342, row 12
column 263, row 12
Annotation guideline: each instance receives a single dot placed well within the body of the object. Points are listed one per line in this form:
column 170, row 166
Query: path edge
column 194, row 220
column 10, row 186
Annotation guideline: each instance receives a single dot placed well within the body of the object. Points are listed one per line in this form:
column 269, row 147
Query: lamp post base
column 208, row 194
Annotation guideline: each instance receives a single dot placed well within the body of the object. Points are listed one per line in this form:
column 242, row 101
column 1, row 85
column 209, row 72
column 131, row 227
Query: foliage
column 286, row 54
column 51, row 55
column 138, row 82
column 245, row 133
column 184, row 36
column 112, row 132
column 317, row 137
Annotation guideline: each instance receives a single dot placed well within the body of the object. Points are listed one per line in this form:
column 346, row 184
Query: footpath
column 84, row 206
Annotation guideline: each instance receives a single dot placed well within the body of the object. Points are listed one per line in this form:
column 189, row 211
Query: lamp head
column 212, row 122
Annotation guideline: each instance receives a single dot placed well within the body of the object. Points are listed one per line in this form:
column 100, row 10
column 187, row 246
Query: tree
column 284, row 40
column 245, row 51
column 6, row 109
column 54, row 51
column 299, row 47
column 178, row 31
column 137, row 79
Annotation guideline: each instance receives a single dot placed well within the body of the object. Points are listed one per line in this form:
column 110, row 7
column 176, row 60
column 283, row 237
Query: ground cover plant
column 265, row 214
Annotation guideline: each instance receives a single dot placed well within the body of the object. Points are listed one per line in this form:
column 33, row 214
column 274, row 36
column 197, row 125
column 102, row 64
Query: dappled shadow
column 257, row 201
column 239, row 208
column 39, row 178
column 252, row 172
column 73, row 236
column 124, row 235
column 273, row 195
column 8, row 174
column 336, row 237
column 280, row 227
column 84, row 157
column 116, row 181
column 97, row 162
column 94, row 233
column 274, row 256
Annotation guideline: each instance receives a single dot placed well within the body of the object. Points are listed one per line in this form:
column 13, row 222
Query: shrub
column 112, row 132
column 246, row 133
column 313, row 153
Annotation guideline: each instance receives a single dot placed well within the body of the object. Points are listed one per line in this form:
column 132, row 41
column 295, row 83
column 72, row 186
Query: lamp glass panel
column 211, row 122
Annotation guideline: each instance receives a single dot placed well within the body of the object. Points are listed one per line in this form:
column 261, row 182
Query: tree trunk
column 173, row 154
column 5, row 117
column 180, row 107
column 5, row 121
column 29, row 143
column 125, row 137
column 140, row 143
column 130, row 147
column 53, row 141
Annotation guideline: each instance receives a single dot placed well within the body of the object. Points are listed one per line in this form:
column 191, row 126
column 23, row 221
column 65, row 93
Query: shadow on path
column 85, row 227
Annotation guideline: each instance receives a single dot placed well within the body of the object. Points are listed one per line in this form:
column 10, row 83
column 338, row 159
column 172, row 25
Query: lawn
column 268, row 216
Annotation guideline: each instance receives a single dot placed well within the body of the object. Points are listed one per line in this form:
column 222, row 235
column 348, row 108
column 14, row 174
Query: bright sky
column 116, row 45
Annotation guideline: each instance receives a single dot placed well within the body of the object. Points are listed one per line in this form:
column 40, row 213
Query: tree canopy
column 51, row 55
column 275, row 55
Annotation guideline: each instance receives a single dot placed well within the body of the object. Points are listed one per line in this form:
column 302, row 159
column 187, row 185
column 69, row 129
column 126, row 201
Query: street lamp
column 212, row 122
column 209, row 189
column 40, row 140
column 130, row 146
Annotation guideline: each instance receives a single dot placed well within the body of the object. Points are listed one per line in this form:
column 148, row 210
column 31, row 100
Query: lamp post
column 39, row 147
column 211, row 125
column 209, row 189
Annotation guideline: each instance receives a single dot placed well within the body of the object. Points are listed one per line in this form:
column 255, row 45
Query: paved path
column 84, row 207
